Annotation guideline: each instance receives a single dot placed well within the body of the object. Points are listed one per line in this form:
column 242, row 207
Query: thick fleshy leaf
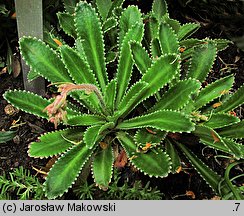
column 141, row 57
column 213, row 90
column 212, row 178
column 168, row 39
column 89, row 30
column 65, row 171
column 221, row 120
column 130, row 16
column 233, row 131
column 149, row 135
column 67, row 23
column 56, row 142
column 151, row 29
column 159, row 9
column 162, row 120
column 125, row 60
column 187, row 30
column 43, row 60
column 236, row 100
column 32, row 74
column 109, row 24
column 230, row 142
column 159, row 74
column 175, row 101
column 69, row 5
column 222, row 44
column 202, row 61
column 77, row 67
column 85, row 120
column 155, row 48
column 102, row 167
column 191, row 42
column 154, row 163
column 115, row 4
column 28, row 102
column 92, row 135
column 131, row 99
column 174, row 24
column 79, row 71
column 110, row 94
column 211, row 138
column 103, row 7
column 174, row 156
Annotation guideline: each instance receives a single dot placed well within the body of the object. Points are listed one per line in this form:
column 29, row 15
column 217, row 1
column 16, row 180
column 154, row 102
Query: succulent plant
column 146, row 99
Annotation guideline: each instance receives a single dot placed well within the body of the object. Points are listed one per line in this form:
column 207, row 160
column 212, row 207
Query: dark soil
column 14, row 153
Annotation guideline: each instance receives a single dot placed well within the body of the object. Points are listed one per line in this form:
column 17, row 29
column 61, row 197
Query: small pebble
column 16, row 139
column 16, row 164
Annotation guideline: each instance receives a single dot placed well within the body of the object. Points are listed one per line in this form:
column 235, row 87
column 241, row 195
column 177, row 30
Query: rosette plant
column 146, row 100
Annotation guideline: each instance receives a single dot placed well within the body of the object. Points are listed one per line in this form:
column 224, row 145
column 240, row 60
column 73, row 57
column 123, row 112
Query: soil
column 14, row 153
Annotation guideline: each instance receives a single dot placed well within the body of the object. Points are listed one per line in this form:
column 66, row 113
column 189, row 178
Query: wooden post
column 30, row 23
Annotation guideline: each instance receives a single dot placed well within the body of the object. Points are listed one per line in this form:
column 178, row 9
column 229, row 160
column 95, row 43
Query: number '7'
column 237, row 206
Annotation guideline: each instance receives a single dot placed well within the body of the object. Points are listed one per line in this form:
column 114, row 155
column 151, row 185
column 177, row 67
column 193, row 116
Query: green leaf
column 32, row 74
column 213, row 91
column 160, row 73
column 110, row 94
column 132, row 98
column 191, row 42
column 154, row 137
column 56, row 142
column 238, row 148
column 103, row 7
column 65, row 171
column 141, row 57
column 28, row 102
column 151, row 29
column 43, row 60
column 159, row 9
column 187, row 30
column 109, row 24
column 70, row 5
column 222, row 44
column 236, row 100
column 129, row 18
column 126, row 61
column 115, row 5
column 234, row 149
column 174, row 156
column 212, row 178
column 85, row 120
column 174, row 24
column 177, row 96
column 220, row 120
column 168, row 39
column 154, row 163
column 155, row 48
column 102, row 167
column 88, row 29
column 210, row 137
column 213, row 139
column 67, row 23
column 162, row 120
column 92, row 135
column 235, row 190
column 233, row 131
column 202, row 61
column 6, row 136
column 77, row 67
